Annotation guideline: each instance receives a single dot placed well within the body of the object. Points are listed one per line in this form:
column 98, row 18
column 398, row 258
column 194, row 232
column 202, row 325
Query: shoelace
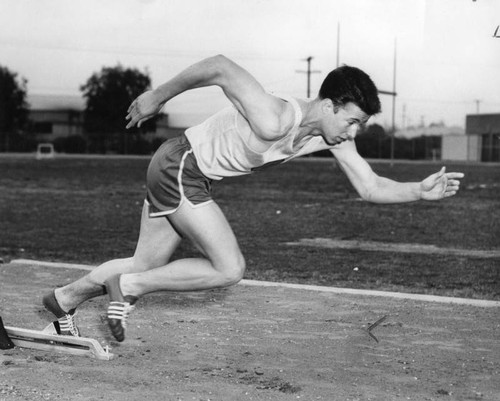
column 68, row 323
column 120, row 311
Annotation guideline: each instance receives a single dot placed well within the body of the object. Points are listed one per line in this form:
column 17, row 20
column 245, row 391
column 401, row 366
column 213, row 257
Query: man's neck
column 309, row 126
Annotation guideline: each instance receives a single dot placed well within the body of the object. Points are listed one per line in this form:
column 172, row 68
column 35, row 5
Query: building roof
column 56, row 102
column 432, row 130
column 70, row 103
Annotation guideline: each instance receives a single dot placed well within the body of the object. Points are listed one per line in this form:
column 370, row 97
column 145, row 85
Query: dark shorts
column 174, row 177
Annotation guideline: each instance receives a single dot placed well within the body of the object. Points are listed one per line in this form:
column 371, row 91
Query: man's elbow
column 365, row 195
column 368, row 194
column 221, row 62
column 372, row 189
column 219, row 65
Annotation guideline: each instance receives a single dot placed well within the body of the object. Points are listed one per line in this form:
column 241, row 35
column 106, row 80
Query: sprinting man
column 257, row 131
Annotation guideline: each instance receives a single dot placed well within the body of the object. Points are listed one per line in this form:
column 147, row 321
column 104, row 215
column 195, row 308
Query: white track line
column 335, row 290
column 51, row 264
column 389, row 294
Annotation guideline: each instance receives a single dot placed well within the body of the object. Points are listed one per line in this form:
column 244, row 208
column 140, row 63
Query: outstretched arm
column 261, row 110
column 373, row 188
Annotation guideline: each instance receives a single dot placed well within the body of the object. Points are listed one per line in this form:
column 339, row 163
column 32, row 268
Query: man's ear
column 328, row 106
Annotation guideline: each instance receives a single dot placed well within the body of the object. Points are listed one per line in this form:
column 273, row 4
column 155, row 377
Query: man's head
column 351, row 85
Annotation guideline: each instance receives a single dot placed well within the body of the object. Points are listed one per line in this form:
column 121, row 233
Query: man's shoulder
column 267, row 117
column 288, row 115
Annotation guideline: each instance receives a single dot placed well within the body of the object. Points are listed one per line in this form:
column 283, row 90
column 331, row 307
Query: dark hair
column 349, row 84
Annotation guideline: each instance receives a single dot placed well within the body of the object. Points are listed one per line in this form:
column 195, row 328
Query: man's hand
column 440, row 185
column 143, row 108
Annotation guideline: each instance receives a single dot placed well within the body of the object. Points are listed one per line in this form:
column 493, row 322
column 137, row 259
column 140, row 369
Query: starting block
column 48, row 340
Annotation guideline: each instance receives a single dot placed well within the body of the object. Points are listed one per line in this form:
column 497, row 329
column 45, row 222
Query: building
column 56, row 116
column 431, row 138
column 481, row 141
column 487, row 128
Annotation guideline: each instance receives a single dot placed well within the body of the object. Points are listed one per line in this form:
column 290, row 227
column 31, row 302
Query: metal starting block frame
column 48, row 340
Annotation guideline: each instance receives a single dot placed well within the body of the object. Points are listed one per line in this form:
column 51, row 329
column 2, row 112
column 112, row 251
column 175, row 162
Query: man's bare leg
column 161, row 240
column 208, row 229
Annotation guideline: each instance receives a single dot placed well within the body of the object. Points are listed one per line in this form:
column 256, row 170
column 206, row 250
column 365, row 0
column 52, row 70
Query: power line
column 464, row 103
column 441, row 101
column 138, row 51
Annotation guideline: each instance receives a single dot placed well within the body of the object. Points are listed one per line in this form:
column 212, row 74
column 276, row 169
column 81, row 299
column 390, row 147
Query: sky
column 446, row 56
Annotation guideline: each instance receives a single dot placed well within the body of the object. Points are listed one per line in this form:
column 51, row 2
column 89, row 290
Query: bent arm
column 374, row 188
column 260, row 109
column 217, row 70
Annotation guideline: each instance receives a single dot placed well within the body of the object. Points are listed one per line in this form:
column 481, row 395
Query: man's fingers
column 137, row 119
column 455, row 175
column 131, row 106
column 132, row 122
column 437, row 176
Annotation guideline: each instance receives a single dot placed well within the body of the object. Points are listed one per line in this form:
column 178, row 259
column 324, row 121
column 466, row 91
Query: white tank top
column 222, row 151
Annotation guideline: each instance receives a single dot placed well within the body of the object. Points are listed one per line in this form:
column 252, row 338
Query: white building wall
column 461, row 147
column 454, row 147
column 474, row 146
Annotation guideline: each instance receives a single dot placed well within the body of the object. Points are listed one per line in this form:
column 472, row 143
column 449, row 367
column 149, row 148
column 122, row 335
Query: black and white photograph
column 233, row 200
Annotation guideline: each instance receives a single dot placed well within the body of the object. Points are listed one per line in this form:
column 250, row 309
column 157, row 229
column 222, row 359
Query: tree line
column 109, row 92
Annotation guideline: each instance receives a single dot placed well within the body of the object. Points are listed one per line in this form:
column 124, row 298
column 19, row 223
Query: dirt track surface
column 255, row 343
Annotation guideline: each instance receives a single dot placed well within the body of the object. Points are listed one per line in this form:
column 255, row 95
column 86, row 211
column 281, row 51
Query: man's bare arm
column 261, row 110
column 374, row 188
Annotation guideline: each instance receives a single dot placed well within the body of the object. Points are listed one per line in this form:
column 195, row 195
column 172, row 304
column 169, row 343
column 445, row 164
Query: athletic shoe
column 65, row 324
column 119, row 308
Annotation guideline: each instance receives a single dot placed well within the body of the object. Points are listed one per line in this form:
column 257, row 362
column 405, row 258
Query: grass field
column 86, row 210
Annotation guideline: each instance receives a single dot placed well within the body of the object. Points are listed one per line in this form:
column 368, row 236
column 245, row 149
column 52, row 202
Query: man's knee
column 234, row 271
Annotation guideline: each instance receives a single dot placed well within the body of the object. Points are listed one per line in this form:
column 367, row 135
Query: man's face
column 343, row 123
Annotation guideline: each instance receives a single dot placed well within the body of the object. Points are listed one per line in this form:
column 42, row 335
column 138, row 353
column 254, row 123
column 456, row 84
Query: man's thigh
column 157, row 241
column 208, row 229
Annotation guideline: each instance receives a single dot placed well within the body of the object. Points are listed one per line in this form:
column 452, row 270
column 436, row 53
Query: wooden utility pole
column 477, row 105
column 392, row 93
column 309, row 72
column 393, row 104
column 338, row 44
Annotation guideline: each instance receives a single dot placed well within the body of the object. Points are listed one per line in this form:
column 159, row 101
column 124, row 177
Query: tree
column 108, row 94
column 373, row 142
column 13, row 109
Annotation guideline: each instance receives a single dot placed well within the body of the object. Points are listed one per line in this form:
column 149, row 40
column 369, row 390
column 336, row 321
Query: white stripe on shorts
column 181, row 190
